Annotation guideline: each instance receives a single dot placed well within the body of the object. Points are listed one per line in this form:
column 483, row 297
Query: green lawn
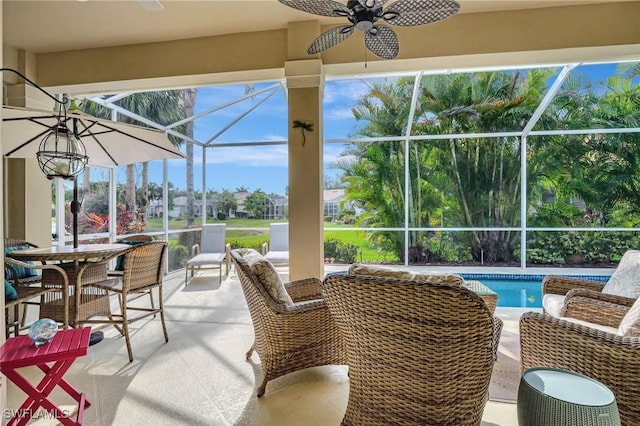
column 256, row 237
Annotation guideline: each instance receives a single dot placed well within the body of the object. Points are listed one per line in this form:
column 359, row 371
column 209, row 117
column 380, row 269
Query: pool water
column 520, row 291
column 517, row 293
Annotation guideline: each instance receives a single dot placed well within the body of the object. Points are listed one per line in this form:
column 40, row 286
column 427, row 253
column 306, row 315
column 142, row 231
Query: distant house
column 277, row 206
column 332, row 199
column 240, row 211
column 154, row 208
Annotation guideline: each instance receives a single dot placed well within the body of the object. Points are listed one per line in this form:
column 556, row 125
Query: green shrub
column 339, row 251
column 189, row 239
column 256, row 245
column 177, row 255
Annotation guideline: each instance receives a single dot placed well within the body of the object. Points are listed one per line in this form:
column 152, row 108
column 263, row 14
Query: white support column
column 305, row 81
column 23, row 213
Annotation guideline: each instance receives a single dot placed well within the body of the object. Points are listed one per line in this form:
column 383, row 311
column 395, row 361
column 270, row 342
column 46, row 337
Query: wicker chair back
column 419, row 353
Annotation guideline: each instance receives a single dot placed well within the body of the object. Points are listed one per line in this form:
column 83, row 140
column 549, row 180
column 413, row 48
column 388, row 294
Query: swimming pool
column 519, row 290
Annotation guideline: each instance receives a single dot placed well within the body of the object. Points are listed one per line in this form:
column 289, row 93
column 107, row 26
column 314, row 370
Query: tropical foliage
column 162, row 107
column 475, row 181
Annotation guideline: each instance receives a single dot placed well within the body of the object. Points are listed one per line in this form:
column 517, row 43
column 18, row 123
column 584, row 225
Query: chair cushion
column 22, row 272
column 630, row 324
column 268, row 277
column 553, row 304
column 625, row 281
column 10, row 293
column 387, row 272
column 278, row 257
column 206, row 259
column 600, row 327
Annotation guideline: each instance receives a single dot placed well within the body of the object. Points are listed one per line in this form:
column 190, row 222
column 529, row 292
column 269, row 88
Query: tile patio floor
column 200, row 376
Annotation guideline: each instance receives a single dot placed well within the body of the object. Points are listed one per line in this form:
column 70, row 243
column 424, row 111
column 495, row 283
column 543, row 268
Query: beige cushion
column 268, row 277
column 625, row 281
column 600, row 327
column 394, row 272
column 553, row 304
column 630, row 324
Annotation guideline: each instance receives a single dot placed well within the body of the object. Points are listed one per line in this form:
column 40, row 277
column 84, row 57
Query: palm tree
column 189, row 104
column 256, row 204
column 226, row 202
column 162, row 107
column 479, row 178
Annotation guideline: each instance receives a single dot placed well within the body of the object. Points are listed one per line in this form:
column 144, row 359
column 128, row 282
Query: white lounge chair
column 277, row 249
column 211, row 250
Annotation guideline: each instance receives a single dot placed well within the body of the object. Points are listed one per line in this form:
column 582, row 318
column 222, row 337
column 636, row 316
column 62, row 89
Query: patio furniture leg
column 262, row 386
column 250, row 351
column 153, row 306
column 164, row 326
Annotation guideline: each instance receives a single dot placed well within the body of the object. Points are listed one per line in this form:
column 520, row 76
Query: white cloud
column 253, row 156
column 348, row 91
column 276, row 138
column 333, row 153
column 342, row 113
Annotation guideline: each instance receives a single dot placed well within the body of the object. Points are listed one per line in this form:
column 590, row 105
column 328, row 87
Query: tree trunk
column 130, row 188
column 189, row 103
column 144, row 203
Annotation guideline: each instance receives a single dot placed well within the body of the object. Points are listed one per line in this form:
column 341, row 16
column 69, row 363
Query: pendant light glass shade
column 61, row 154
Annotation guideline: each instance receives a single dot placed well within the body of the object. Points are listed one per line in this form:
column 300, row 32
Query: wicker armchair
column 605, row 356
column 289, row 338
column 419, row 353
column 572, row 288
column 622, row 288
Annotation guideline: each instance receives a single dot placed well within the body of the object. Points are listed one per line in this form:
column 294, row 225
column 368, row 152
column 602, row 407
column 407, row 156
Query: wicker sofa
column 293, row 329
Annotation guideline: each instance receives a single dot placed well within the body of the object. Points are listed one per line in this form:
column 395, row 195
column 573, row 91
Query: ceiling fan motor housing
column 362, row 17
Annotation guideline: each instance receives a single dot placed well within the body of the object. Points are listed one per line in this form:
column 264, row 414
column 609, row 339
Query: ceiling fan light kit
column 369, row 16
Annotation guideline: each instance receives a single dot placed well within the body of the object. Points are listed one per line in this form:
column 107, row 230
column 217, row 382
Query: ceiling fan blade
column 318, row 7
column 372, row 4
column 330, row 38
column 409, row 13
column 382, row 41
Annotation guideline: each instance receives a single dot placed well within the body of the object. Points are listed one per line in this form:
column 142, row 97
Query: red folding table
column 62, row 351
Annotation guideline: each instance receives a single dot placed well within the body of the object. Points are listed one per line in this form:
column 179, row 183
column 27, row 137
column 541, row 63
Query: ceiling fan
column 364, row 15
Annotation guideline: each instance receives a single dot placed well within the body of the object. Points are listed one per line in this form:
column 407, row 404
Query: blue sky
column 265, row 167
column 257, row 167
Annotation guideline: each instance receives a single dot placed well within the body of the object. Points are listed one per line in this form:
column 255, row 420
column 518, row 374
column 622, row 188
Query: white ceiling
column 59, row 25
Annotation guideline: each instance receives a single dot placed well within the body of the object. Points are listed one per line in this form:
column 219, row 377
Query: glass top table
column 489, row 296
column 554, row 397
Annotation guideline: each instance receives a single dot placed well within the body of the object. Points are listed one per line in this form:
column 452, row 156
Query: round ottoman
column 555, row 397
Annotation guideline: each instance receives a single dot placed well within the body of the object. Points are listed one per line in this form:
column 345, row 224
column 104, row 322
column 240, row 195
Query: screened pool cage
column 526, row 167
